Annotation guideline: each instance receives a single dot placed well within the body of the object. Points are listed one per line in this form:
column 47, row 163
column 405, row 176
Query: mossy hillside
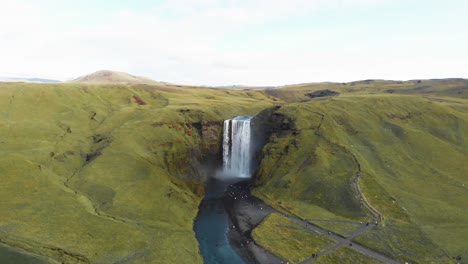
column 301, row 168
column 289, row 240
column 404, row 242
column 106, row 173
column 41, row 215
column 412, row 154
column 106, row 76
column 457, row 88
column 129, row 157
column 345, row 255
column 418, row 158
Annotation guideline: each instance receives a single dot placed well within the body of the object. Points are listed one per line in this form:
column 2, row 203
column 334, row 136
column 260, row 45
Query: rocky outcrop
column 321, row 93
column 211, row 144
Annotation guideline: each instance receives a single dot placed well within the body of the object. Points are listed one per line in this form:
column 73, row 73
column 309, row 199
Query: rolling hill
column 113, row 77
column 403, row 142
column 108, row 173
column 109, row 168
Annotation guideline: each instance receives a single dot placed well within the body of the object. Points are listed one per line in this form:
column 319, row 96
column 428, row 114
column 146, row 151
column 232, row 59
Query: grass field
column 345, row 255
column 288, row 240
column 112, row 173
column 113, row 77
column 413, row 158
column 108, row 173
column 455, row 88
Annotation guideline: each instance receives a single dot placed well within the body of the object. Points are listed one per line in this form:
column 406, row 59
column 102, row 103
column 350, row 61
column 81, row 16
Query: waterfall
column 226, row 144
column 237, row 149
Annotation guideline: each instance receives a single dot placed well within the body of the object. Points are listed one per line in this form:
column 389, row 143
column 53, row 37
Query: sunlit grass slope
column 289, row 240
column 112, row 173
column 108, row 173
column 413, row 157
column 113, row 77
column 345, row 255
column 439, row 87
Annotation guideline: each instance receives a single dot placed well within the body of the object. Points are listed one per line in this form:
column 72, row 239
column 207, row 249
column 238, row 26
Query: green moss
column 455, row 88
column 305, row 166
column 345, row 255
column 106, row 178
column 289, row 240
column 411, row 153
column 405, row 242
column 98, row 175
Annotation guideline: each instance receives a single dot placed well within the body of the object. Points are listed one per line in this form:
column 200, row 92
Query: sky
column 236, row 42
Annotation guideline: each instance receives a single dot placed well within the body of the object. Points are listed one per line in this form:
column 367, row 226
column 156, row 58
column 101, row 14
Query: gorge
column 213, row 224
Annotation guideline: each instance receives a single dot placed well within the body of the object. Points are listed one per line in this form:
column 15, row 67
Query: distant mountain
column 33, row 80
column 113, row 77
column 382, row 82
column 243, row 87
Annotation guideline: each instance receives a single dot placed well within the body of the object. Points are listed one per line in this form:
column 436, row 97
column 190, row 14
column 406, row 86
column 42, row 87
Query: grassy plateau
column 296, row 241
column 113, row 173
column 411, row 153
column 109, row 173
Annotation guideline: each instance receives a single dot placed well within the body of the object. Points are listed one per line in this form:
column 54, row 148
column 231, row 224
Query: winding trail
column 341, row 241
column 378, row 218
column 334, row 221
column 357, row 190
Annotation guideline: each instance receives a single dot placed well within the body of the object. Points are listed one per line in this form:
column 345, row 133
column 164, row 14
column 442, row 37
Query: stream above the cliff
column 212, row 227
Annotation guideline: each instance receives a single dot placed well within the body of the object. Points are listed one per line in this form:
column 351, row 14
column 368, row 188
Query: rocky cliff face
column 194, row 161
column 211, row 144
column 268, row 125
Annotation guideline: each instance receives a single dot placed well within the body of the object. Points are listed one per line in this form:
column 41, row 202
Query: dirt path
column 258, row 210
column 341, row 241
column 357, row 190
column 247, row 212
column 335, row 221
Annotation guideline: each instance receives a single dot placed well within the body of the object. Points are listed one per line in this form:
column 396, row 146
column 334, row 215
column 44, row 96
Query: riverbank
column 245, row 213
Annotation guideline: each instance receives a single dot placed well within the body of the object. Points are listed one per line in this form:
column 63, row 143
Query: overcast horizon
column 236, row 42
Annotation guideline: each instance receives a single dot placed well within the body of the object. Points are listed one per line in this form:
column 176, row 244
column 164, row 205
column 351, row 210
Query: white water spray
column 237, row 147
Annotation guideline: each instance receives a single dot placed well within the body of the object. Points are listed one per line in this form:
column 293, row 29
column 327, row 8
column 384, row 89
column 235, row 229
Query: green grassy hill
column 109, row 173
column 438, row 87
column 412, row 154
column 94, row 173
column 113, row 77
column 295, row 240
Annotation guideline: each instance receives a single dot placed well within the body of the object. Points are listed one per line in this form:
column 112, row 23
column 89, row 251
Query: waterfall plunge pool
column 212, row 227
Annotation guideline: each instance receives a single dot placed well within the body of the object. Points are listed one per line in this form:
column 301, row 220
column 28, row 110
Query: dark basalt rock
column 321, row 93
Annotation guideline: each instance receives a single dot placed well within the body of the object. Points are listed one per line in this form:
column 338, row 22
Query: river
column 212, row 227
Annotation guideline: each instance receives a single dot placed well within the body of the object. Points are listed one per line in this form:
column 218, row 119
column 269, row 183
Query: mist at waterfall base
column 212, row 224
